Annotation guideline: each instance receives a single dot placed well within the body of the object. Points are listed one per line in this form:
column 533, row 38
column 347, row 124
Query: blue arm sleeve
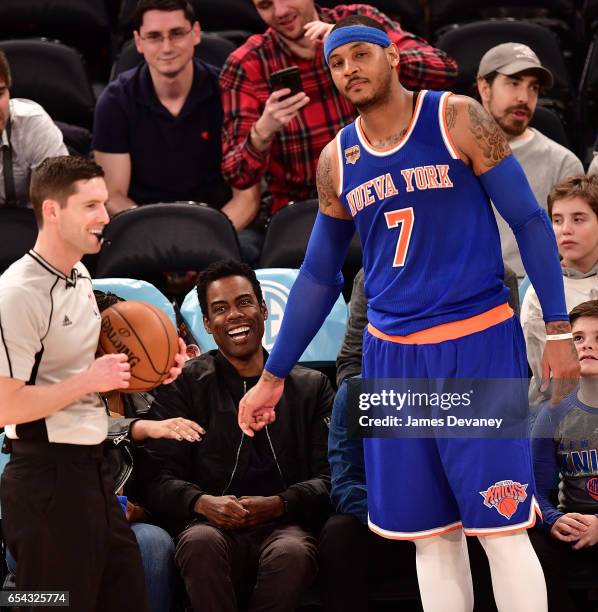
column 313, row 294
column 509, row 190
column 545, row 465
column 345, row 455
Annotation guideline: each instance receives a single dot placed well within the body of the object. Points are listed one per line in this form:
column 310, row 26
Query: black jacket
column 177, row 473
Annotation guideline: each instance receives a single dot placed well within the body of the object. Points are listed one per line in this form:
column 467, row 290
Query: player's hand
column 279, row 113
column 590, row 537
column 179, row 360
column 317, row 30
column 110, row 372
column 569, row 527
column 256, row 408
column 177, row 428
column 223, row 511
column 261, row 509
column 559, row 359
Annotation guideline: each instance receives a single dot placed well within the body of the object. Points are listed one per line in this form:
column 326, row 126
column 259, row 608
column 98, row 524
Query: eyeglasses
column 157, row 38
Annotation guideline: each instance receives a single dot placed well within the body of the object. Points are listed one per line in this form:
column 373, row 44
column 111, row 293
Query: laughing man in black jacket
column 241, row 508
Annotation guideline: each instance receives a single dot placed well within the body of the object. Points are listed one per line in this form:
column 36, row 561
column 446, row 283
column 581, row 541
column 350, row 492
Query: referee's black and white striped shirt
column 49, row 329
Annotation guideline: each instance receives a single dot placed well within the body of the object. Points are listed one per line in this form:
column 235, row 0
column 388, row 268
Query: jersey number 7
column 403, row 217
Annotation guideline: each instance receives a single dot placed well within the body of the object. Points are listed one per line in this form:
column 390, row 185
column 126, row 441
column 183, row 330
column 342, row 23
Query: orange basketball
column 507, row 506
column 146, row 335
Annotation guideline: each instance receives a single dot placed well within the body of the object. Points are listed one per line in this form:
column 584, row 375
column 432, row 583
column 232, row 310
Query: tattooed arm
column 327, row 182
column 477, row 137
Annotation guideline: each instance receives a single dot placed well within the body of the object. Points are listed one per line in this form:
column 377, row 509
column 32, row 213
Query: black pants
column 264, row 568
column 355, row 562
column 558, row 560
column 66, row 529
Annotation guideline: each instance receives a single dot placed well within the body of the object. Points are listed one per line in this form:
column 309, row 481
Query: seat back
column 213, row 50
column 560, row 16
column 213, row 15
column 144, row 242
column 141, row 291
column 468, row 42
column 549, row 123
column 18, row 231
column 52, row 75
column 276, row 284
column 83, row 24
column 287, row 237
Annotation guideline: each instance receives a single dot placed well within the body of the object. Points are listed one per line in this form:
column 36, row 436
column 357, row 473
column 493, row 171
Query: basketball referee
column 60, row 516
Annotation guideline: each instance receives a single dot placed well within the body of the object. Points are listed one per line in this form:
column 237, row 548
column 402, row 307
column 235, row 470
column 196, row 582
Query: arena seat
column 287, row 237
column 145, row 242
column 213, row 15
column 561, row 16
column 213, row 49
column 588, row 87
column 84, row 24
column 549, row 123
column 138, row 290
column 276, row 284
column 18, row 231
column 468, row 42
column 52, row 75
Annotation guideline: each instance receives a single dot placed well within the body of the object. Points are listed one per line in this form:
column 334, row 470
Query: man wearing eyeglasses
column 157, row 126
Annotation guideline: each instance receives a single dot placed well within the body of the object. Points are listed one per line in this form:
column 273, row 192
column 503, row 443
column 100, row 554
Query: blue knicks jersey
column 431, row 248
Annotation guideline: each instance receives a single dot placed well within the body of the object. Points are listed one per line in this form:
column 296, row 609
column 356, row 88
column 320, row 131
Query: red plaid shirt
column 289, row 165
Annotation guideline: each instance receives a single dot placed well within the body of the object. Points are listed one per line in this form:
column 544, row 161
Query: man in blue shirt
column 157, row 127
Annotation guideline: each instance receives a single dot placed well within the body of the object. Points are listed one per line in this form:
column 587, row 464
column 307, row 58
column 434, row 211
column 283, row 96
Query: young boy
column 573, row 209
column 565, row 449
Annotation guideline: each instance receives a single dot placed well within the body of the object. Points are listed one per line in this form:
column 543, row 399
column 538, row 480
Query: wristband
column 567, row 336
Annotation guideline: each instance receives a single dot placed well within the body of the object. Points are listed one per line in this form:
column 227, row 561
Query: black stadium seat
column 549, row 123
column 287, row 237
column 213, row 49
column 468, row 42
column 83, row 24
column 588, row 92
column 213, row 15
column 18, row 231
column 144, row 242
column 558, row 15
column 52, row 75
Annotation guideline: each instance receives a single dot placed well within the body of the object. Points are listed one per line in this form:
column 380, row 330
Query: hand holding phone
column 287, row 78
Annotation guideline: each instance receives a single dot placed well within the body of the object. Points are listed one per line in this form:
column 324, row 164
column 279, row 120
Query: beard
column 511, row 126
column 377, row 98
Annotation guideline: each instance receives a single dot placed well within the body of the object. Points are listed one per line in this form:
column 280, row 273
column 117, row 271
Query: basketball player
column 414, row 174
column 60, row 517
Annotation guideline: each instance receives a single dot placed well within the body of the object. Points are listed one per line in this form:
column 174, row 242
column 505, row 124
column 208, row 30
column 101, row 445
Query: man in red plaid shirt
column 282, row 139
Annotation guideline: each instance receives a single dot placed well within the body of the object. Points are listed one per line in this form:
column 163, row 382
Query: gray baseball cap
column 511, row 58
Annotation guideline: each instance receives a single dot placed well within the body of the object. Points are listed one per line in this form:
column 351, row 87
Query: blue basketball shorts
column 422, row 487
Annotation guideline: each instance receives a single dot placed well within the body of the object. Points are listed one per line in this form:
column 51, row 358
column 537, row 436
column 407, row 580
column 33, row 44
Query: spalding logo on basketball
column 275, row 295
column 146, row 335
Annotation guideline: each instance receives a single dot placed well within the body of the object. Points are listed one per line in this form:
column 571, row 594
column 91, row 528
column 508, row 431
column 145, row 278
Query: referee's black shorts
column 66, row 529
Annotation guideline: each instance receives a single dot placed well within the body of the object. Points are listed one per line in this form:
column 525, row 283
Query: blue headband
column 361, row 33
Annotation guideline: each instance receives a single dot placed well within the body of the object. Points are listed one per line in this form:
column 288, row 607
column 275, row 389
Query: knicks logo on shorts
column 505, row 496
column 352, row 154
column 592, row 488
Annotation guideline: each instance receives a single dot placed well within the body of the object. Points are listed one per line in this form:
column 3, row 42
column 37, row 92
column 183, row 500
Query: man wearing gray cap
column 509, row 80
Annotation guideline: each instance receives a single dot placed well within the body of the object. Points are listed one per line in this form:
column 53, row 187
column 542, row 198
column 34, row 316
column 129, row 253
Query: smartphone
column 288, row 77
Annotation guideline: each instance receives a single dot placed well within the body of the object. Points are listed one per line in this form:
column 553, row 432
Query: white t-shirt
column 49, row 329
